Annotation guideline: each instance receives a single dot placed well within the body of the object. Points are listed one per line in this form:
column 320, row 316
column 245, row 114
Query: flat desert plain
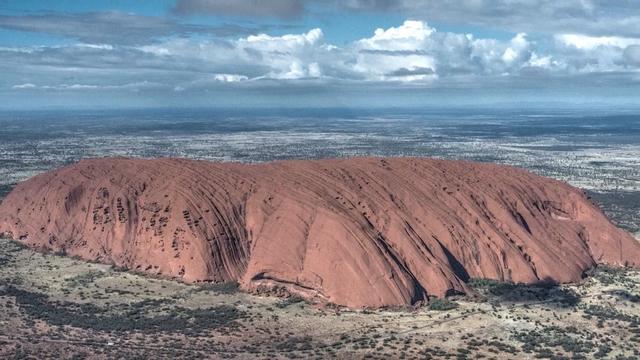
column 60, row 307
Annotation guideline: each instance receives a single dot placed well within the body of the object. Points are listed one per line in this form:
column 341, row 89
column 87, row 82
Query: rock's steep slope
column 356, row 232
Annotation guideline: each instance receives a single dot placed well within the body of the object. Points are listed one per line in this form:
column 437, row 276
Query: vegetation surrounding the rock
column 441, row 304
column 543, row 292
column 56, row 307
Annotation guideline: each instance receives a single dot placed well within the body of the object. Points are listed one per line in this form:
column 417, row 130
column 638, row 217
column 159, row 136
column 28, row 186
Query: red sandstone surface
column 355, row 232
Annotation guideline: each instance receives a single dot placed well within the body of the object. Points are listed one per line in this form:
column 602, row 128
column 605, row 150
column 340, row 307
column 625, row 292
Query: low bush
column 126, row 317
column 512, row 292
column 441, row 304
column 221, row 288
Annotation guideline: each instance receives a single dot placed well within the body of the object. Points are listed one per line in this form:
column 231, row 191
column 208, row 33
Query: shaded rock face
column 355, row 232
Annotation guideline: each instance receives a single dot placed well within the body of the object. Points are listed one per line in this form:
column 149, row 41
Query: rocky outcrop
column 355, row 232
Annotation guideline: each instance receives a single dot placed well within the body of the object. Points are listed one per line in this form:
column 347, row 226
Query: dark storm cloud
column 270, row 8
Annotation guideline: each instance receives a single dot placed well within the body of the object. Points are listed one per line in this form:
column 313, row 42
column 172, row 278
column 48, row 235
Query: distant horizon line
column 510, row 106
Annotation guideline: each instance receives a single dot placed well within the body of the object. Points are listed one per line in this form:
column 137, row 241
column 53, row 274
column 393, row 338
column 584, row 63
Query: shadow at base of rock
column 620, row 206
column 543, row 291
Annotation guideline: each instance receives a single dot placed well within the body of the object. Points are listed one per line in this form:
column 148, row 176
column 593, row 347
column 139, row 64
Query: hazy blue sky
column 295, row 53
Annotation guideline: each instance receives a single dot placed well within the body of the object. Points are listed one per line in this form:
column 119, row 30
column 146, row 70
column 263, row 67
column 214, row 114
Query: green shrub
column 441, row 304
column 291, row 300
column 221, row 288
column 127, row 317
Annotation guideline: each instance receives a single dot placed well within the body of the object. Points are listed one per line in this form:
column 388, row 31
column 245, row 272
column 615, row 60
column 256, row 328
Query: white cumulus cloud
column 24, row 86
column 585, row 42
column 412, row 52
column 230, row 78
